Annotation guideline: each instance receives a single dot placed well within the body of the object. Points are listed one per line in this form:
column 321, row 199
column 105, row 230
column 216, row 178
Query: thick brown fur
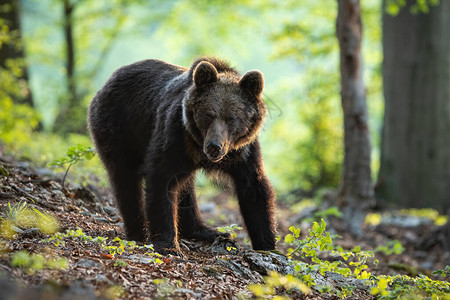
column 161, row 122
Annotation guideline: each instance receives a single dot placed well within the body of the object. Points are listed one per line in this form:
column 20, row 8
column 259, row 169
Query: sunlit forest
column 355, row 144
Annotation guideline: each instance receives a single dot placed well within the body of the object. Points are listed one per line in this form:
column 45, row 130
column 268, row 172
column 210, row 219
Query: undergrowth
column 110, row 248
column 306, row 253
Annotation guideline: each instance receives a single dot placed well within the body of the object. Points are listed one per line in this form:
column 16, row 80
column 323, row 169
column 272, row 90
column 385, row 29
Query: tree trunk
column 14, row 49
column 356, row 189
column 70, row 51
column 69, row 118
column 415, row 154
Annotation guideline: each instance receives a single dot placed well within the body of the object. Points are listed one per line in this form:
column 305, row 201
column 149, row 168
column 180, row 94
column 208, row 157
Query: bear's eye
column 207, row 117
column 231, row 119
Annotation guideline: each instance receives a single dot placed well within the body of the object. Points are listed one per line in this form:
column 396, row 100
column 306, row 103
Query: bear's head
column 222, row 110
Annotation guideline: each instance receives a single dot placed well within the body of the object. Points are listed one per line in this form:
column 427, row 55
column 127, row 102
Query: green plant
column 22, row 216
column 165, row 288
column 114, row 292
column 323, row 214
column 331, row 211
column 405, row 287
column 230, row 229
column 391, row 247
column 444, row 273
column 313, row 244
column 35, row 262
column 275, row 281
column 120, row 263
column 117, row 246
column 74, row 154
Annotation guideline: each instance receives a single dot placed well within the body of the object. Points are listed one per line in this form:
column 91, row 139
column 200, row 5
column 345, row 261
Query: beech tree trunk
column 415, row 154
column 356, row 189
column 14, row 49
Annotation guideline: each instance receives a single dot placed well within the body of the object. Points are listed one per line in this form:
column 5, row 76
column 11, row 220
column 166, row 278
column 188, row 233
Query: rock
column 341, row 281
column 88, row 263
column 263, row 262
column 404, row 221
column 102, row 278
column 31, row 233
column 78, row 290
column 85, row 195
column 138, row 258
column 239, row 269
column 112, row 211
column 9, row 289
column 58, row 193
column 44, row 172
column 44, row 193
column 27, row 189
column 190, row 292
column 50, row 290
column 101, row 219
column 115, row 219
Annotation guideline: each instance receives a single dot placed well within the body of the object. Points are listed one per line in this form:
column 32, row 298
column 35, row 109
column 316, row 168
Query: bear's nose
column 214, row 146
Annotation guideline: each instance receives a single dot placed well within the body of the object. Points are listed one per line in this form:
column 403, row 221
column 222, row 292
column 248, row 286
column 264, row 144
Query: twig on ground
column 36, row 200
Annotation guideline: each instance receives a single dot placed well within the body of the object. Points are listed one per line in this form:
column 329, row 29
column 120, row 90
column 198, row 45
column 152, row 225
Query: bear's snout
column 215, row 144
column 214, row 151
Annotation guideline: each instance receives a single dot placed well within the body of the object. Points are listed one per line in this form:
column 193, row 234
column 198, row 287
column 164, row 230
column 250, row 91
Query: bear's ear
column 204, row 73
column 253, row 82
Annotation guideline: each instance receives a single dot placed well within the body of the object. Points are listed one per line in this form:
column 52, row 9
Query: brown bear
column 160, row 122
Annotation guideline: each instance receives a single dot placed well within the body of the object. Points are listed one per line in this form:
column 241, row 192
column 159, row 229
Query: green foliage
column 310, row 129
column 22, row 216
column 114, row 292
column 17, row 121
column 391, row 247
column 231, row 229
column 120, row 263
column 36, row 262
column 315, row 143
column 323, row 214
column 317, row 241
column 393, row 7
column 273, row 282
column 74, row 154
column 113, row 248
column 405, row 287
column 354, row 265
column 444, row 273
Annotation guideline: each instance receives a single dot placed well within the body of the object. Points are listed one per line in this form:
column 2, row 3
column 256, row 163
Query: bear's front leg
column 190, row 224
column 161, row 212
column 256, row 199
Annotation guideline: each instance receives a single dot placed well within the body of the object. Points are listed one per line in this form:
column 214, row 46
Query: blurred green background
column 45, row 93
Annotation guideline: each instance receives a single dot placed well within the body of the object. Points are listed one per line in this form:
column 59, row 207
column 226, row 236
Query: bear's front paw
column 166, row 248
column 207, row 234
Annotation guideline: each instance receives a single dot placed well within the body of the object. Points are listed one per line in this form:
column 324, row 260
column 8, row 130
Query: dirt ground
column 204, row 272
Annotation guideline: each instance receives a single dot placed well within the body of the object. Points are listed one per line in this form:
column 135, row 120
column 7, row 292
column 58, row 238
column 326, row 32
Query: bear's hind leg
column 190, row 223
column 127, row 186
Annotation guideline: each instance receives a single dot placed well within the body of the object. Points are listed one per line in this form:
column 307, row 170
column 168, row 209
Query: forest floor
column 94, row 267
